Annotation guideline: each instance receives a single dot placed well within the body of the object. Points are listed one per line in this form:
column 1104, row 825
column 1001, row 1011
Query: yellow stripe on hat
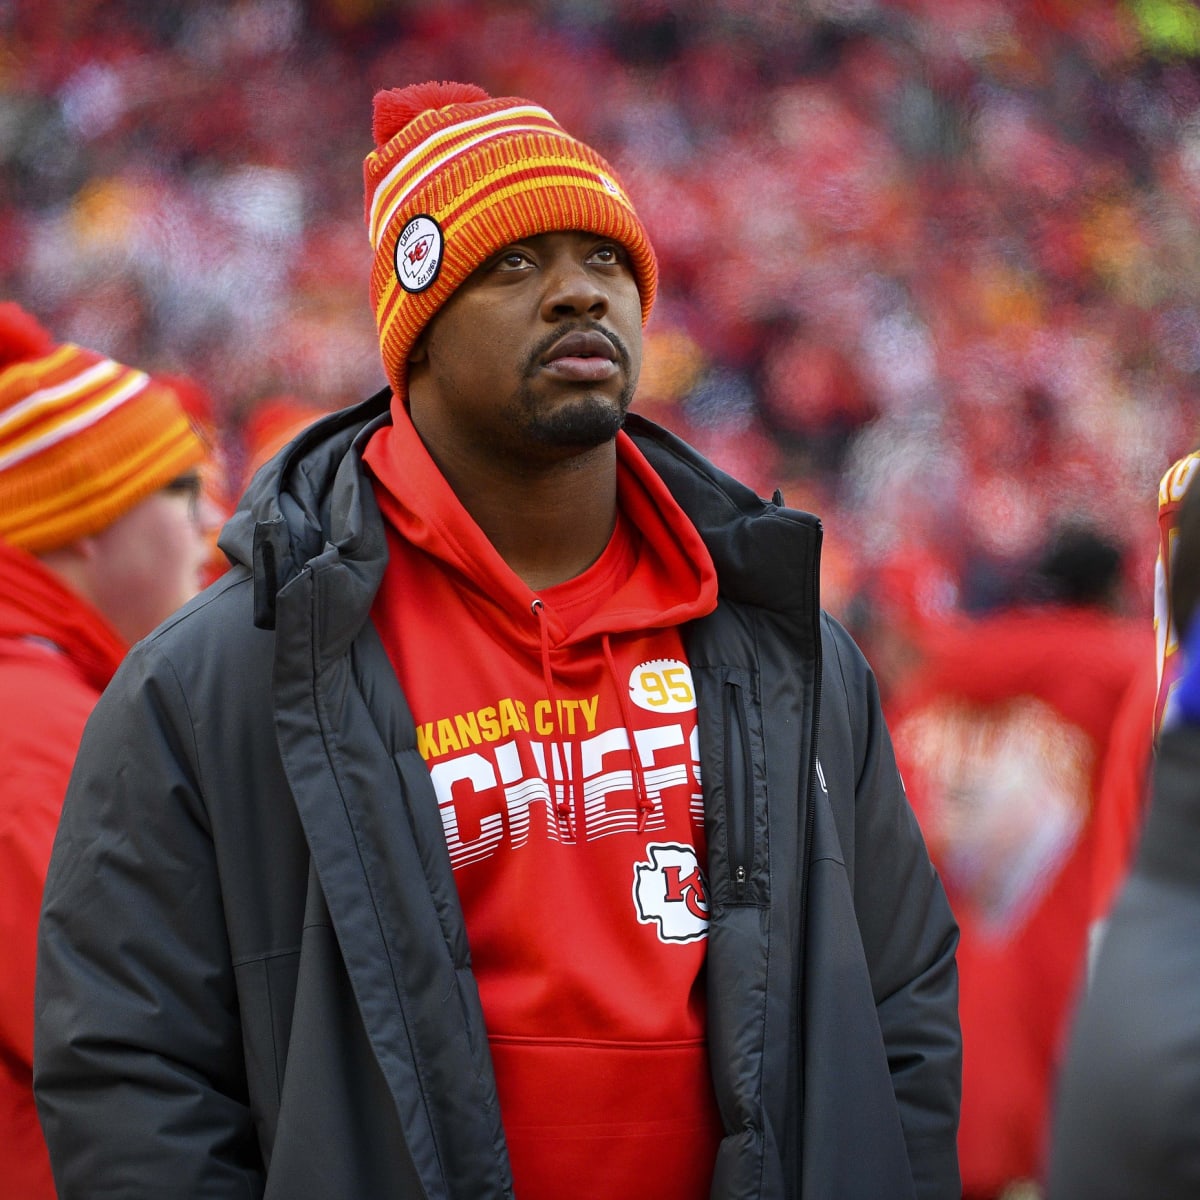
column 427, row 156
column 575, row 178
column 113, row 386
column 490, row 199
column 408, row 186
column 447, row 144
column 19, row 377
column 110, row 492
column 94, row 375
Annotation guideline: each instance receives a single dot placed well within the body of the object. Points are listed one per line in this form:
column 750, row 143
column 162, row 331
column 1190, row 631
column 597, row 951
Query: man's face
column 151, row 559
column 534, row 359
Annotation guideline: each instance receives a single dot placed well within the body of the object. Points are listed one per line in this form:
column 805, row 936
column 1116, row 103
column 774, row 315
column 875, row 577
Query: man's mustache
column 556, row 335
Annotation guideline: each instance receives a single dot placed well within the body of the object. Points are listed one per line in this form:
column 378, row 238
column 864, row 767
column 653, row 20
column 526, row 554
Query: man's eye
column 511, row 260
column 607, row 254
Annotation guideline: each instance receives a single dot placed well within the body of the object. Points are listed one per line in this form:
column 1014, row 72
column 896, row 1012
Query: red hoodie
column 579, row 865
column 56, row 655
column 1000, row 739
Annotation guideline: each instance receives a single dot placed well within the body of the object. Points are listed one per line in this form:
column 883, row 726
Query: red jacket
column 1001, row 740
column 56, row 656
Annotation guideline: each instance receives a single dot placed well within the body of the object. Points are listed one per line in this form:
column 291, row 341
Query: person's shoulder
column 221, row 603
column 45, row 702
column 215, row 629
column 846, row 670
column 39, row 685
column 839, row 641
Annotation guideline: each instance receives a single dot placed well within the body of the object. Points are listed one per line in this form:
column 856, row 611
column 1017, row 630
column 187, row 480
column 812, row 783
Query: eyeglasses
column 191, row 486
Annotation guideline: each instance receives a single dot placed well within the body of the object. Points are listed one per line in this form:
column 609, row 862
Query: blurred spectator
column 1126, row 1115
column 99, row 541
column 273, row 423
column 900, row 607
column 218, row 478
column 1121, row 800
column 1172, row 490
column 1000, row 732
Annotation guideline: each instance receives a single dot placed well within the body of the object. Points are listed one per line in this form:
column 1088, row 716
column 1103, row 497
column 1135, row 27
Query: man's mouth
column 582, row 356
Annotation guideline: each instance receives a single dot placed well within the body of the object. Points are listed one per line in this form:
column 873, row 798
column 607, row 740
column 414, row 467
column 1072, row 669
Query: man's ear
column 81, row 550
column 418, row 353
column 76, row 564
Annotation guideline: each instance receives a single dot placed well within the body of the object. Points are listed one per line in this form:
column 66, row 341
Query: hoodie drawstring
column 645, row 806
column 563, row 805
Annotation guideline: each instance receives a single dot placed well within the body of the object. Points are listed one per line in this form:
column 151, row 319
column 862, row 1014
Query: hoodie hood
column 36, row 606
column 672, row 581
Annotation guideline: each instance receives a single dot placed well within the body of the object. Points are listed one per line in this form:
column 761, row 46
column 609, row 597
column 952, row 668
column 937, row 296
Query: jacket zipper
column 739, row 785
column 810, row 817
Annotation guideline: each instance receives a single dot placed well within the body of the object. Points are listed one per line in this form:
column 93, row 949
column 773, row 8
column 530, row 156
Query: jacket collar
column 36, row 605
column 310, row 500
column 313, row 498
column 766, row 555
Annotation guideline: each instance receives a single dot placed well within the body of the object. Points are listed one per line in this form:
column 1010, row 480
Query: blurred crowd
column 932, row 269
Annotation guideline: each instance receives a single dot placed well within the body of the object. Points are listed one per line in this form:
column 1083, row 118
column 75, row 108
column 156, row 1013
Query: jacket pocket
column 729, row 719
column 739, row 785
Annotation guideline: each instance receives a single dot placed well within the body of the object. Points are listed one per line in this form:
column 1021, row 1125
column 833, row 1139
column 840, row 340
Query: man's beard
column 581, row 424
column 584, row 423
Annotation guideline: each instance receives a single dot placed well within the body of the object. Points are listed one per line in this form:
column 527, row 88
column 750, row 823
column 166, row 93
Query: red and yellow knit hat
column 457, row 175
column 83, row 439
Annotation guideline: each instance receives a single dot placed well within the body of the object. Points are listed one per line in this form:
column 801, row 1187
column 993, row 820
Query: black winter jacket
column 254, row 977
column 1128, row 1104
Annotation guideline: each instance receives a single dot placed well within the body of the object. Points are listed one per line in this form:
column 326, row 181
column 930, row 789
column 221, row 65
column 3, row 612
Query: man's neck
column 548, row 523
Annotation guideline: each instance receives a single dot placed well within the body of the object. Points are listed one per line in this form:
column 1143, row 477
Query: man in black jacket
column 1128, row 1105
column 509, row 819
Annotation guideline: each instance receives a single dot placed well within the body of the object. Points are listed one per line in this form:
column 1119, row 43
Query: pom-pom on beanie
column 83, row 439
column 456, row 176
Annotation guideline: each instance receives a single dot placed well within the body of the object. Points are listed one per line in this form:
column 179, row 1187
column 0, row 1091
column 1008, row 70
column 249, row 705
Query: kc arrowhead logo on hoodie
column 670, row 891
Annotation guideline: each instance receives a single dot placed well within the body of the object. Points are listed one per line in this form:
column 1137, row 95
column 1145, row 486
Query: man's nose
column 573, row 290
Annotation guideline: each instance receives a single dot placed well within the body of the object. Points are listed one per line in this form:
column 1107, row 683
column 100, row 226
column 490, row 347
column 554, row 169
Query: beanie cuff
column 83, row 439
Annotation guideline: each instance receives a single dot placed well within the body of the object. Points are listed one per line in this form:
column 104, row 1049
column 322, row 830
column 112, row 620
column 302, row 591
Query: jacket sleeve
column 909, row 936
column 138, row 1070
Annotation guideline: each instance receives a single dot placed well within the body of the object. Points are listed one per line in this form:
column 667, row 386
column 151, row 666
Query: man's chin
column 581, row 426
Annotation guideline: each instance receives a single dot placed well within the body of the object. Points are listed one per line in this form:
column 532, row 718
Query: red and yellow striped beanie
column 457, row 175
column 83, row 439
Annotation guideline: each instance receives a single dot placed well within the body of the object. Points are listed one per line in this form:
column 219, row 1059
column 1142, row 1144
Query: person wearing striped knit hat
column 99, row 542
column 509, row 820
column 1128, row 1103
column 1145, row 710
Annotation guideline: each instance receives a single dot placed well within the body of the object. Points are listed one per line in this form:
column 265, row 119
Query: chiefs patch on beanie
column 457, row 175
column 83, row 439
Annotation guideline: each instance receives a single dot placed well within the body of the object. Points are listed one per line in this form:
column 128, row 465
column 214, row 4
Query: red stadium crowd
column 930, row 269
